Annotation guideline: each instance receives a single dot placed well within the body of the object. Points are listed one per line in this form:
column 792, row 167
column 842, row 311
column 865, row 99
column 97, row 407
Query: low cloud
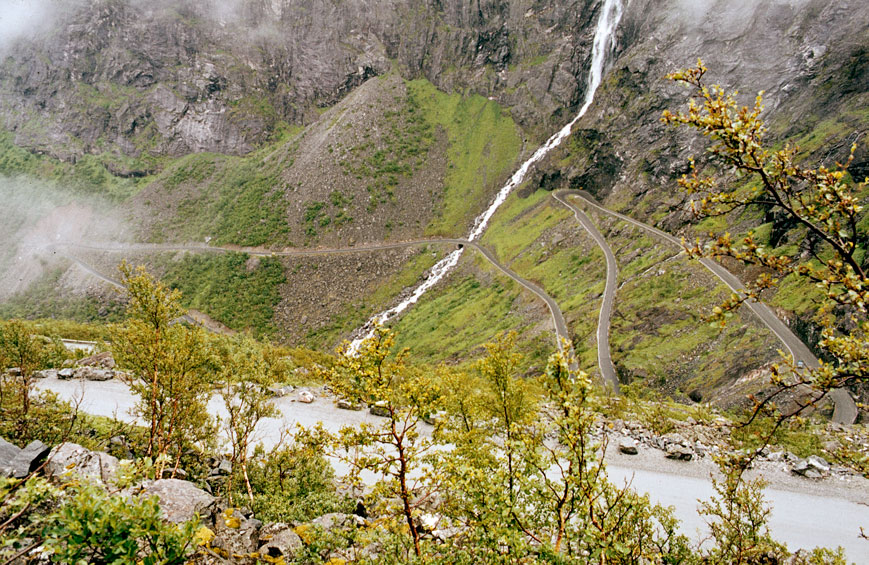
column 38, row 221
column 24, row 19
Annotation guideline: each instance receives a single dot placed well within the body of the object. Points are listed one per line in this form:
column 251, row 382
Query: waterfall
column 604, row 43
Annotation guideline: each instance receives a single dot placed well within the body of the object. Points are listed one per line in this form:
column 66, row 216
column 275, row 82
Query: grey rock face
column 628, row 446
column 201, row 85
column 45, row 374
column 66, row 373
column 28, row 459
column 73, row 459
column 8, row 452
column 179, row 500
column 279, row 540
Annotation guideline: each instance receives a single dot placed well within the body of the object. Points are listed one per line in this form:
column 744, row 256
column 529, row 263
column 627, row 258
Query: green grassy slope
column 484, row 143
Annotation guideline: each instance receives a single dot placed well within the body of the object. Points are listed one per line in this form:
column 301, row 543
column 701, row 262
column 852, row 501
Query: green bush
column 223, row 286
column 294, row 484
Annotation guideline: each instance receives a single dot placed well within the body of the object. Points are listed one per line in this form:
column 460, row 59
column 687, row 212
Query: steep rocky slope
column 134, row 81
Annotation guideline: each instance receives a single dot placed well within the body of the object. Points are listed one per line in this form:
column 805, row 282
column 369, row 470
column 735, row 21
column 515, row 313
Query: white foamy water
column 604, row 42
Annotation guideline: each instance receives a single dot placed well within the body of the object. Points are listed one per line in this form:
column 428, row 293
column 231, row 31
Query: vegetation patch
column 88, row 175
column 239, row 290
column 484, row 145
column 399, row 153
column 452, row 322
column 42, row 299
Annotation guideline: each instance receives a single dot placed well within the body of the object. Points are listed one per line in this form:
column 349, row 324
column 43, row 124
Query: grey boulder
column 380, row 408
column 236, row 535
column 8, row 452
column 73, row 459
column 813, row 467
column 27, row 460
column 179, row 500
column 628, row 446
column 338, row 520
column 279, row 540
column 93, row 374
column 679, row 452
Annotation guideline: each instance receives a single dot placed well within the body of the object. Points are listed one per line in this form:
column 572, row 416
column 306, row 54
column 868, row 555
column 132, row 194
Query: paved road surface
column 604, row 358
column 845, row 411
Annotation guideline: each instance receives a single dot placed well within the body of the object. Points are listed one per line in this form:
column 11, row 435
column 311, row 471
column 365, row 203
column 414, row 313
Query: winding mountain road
column 604, row 358
column 845, row 409
column 560, row 326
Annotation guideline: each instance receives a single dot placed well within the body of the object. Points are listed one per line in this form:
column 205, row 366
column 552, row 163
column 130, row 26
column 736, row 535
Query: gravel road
column 804, row 513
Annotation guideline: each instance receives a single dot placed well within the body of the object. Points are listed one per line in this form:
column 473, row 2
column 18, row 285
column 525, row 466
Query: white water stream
column 604, row 42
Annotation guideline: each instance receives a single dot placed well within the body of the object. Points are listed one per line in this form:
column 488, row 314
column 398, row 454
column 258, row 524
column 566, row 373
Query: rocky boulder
column 380, row 408
column 345, row 404
column 628, row 446
column 678, row 452
column 65, row 374
column 102, row 360
column 179, row 500
column 8, row 452
column 236, row 535
column 279, row 541
column 338, row 520
column 26, row 461
column 306, row 397
column 280, row 390
column 45, row 374
column 93, row 374
column 813, row 467
column 73, row 459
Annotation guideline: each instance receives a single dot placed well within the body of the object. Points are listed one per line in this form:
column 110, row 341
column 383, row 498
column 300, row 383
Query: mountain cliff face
column 333, row 123
column 143, row 79
column 139, row 80
column 809, row 57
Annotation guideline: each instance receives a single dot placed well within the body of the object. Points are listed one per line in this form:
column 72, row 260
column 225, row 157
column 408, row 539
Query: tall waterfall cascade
column 604, row 43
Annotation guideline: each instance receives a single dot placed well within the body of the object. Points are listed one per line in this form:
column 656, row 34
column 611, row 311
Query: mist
column 723, row 12
column 25, row 19
column 40, row 221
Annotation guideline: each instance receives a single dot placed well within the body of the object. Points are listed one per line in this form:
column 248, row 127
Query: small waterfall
column 604, row 42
